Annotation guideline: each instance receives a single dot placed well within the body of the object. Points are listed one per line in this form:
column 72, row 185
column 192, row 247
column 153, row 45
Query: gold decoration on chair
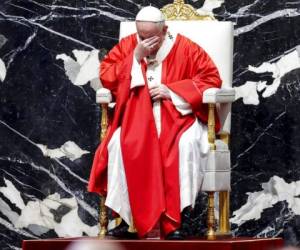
column 211, row 126
column 132, row 228
column 103, row 220
column 181, row 11
column 224, row 200
column 211, row 234
column 104, row 120
column 224, row 226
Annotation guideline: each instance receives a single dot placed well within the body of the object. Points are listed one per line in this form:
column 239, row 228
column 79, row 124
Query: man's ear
column 165, row 29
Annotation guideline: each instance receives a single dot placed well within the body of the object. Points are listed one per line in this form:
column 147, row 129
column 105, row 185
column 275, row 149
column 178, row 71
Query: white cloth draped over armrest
column 222, row 98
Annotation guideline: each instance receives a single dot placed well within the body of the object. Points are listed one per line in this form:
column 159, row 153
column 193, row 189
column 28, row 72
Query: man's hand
column 145, row 47
column 159, row 92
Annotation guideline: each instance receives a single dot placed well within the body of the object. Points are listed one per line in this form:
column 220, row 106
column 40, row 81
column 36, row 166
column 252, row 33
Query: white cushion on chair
column 216, row 181
column 217, row 171
column 103, row 96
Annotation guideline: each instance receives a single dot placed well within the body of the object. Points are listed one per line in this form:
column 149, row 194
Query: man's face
column 147, row 30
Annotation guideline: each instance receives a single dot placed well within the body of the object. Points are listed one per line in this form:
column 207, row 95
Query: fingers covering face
column 151, row 42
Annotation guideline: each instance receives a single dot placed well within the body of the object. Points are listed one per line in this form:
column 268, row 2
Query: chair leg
column 132, row 228
column 224, row 213
column 103, row 218
column 211, row 234
column 118, row 221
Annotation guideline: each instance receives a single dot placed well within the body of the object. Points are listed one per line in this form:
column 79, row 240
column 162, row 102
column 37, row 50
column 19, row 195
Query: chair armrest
column 215, row 95
column 103, row 96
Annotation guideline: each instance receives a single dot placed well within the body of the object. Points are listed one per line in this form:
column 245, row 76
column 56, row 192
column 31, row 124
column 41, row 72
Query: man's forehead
column 148, row 28
column 147, row 34
column 147, row 25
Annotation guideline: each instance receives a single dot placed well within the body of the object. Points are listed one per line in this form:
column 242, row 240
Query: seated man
column 149, row 164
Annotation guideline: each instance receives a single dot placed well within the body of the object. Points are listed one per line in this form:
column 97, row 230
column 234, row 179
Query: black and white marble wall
column 49, row 121
column 265, row 141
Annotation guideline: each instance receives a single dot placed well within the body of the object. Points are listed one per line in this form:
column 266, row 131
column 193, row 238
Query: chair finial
column 178, row 1
column 178, row 10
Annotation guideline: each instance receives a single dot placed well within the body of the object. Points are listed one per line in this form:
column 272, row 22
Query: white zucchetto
column 150, row 14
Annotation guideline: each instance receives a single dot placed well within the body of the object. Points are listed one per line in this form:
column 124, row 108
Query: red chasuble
column 151, row 162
